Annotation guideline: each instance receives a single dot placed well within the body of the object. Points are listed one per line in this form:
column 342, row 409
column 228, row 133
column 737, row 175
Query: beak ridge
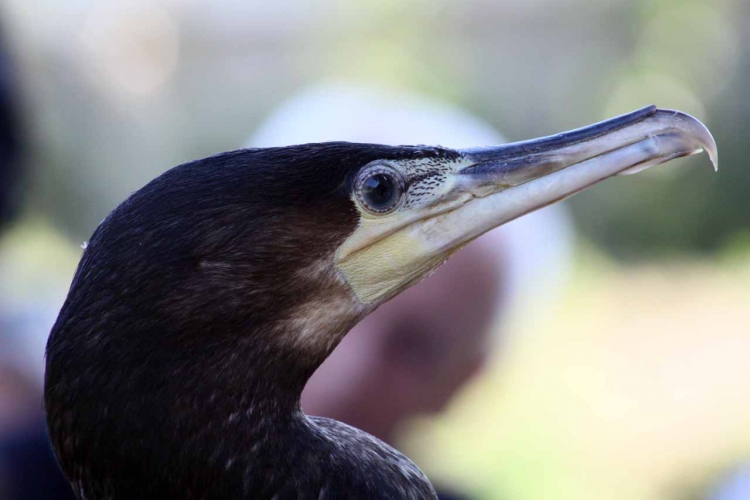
column 658, row 134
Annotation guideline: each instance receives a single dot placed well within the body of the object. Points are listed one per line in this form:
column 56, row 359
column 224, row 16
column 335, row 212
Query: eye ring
column 380, row 189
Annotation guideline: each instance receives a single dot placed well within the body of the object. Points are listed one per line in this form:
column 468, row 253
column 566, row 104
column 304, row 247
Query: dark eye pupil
column 379, row 191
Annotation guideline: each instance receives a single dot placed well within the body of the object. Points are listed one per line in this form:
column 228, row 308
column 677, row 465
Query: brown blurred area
column 632, row 383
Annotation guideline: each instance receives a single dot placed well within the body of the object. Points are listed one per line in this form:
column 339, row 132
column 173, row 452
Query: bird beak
column 515, row 179
column 491, row 186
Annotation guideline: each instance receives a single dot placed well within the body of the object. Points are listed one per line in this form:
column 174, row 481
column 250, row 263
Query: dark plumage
column 170, row 373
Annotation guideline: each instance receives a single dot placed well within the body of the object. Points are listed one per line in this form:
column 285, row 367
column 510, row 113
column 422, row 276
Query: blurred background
column 633, row 383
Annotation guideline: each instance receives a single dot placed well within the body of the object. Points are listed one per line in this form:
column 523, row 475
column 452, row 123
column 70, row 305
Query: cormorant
column 204, row 302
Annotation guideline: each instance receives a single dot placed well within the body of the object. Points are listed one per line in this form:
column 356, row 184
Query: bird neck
column 192, row 416
column 237, row 377
column 253, row 377
column 200, row 390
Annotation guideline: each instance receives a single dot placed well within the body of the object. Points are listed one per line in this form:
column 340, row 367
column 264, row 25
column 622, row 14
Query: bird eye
column 380, row 190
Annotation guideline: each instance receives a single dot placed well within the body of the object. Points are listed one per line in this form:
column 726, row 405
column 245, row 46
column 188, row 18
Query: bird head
column 302, row 242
